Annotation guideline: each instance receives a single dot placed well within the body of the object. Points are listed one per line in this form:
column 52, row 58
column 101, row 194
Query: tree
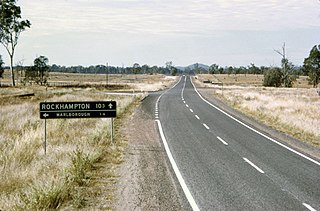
column 253, row 69
column 311, row 65
column 39, row 71
column 42, row 68
column 213, row 68
column 287, row 68
column 173, row 71
column 145, row 68
column 1, row 67
column 136, row 68
column 10, row 28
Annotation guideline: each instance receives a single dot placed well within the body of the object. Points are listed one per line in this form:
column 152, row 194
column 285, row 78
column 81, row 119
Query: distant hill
column 193, row 66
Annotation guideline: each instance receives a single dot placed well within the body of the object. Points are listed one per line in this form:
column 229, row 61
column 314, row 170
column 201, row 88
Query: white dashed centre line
column 206, row 126
column 187, row 105
column 191, row 110
column 197, row 116
column 253, row 165
column 220, row 139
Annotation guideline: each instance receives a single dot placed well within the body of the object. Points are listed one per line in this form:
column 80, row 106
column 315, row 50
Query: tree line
column 106, row 69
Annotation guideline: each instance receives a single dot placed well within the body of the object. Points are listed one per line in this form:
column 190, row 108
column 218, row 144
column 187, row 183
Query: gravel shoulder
column 146, row 181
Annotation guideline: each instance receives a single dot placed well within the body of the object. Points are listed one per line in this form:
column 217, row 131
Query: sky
column 124, row 32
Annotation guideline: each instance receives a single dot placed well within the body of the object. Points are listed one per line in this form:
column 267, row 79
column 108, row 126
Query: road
column 223, row 164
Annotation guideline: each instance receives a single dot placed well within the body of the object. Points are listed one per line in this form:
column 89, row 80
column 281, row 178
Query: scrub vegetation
column 31, row 180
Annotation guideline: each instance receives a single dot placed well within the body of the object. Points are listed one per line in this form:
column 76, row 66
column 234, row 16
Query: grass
column 123, row 82
column 31, row 180
column 294, row 111
column 245, row 80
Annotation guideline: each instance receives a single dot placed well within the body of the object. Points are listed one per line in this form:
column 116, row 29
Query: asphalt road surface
column 223, row 164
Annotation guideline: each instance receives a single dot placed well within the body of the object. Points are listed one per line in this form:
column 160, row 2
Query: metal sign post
column 112, row 139
column 45, row 136
column 86, row 109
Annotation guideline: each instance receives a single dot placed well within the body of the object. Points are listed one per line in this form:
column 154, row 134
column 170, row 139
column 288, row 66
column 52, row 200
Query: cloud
column 164, row 16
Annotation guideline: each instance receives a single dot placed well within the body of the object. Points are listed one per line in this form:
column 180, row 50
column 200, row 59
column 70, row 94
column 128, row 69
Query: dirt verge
column 145, row 179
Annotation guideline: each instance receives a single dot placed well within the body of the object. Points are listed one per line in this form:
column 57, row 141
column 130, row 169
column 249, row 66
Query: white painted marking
column 191, row 110
column 185, row 189
column 220, row 139
column 184, row 102
column 184, row 86
column 187, row 105
column 206, row 126
column 254, row 130
column 197, row 116
column 309, row 207
column 253, row 165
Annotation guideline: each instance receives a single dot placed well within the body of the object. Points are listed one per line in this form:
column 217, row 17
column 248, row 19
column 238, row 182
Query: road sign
column 85, row 109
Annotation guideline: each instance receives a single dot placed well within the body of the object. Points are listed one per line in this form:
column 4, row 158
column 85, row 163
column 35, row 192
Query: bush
column 272, row 77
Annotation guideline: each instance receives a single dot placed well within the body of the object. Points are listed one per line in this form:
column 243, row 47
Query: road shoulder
column 146, row 181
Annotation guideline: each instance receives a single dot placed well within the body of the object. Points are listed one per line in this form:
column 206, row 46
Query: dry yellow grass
column 30, row 180
column 246, row 80
column 139, row 82
column 294, row 111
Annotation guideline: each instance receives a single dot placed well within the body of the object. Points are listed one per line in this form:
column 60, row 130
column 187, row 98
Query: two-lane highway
column 223, row 164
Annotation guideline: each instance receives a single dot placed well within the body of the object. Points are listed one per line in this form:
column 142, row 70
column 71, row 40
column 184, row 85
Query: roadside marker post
column 85, row 109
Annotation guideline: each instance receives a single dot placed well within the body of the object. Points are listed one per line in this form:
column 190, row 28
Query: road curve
column 226, row 165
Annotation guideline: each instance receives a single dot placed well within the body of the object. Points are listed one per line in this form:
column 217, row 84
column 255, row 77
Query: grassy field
column 120, row 82
column 76, row 148
column 294, row 111
column 246, row 80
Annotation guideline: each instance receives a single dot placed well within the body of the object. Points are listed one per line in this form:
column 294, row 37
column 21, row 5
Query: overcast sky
column 122, row 32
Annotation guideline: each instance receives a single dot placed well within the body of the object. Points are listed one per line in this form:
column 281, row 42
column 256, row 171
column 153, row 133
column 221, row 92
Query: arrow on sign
column 45, row 115
column 110, row 105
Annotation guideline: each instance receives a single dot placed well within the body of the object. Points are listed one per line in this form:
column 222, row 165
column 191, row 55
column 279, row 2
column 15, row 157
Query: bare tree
column 287, row 67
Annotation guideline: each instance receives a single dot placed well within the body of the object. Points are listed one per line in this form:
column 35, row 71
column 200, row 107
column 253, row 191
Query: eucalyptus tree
column 311, row 65
column 11, row 26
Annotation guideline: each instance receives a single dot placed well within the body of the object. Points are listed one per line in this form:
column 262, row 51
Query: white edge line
column 253, row 165
column 173, row 163
column 220, row 139
column 254, row 130
column 206, row 126
column 309, row 207
column 176, row 170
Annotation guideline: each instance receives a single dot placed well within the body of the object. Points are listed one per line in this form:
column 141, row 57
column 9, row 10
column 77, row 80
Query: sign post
column 85, row 109
column 45, row 136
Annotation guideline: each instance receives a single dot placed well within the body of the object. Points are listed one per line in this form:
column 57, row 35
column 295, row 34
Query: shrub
column 272, row 77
